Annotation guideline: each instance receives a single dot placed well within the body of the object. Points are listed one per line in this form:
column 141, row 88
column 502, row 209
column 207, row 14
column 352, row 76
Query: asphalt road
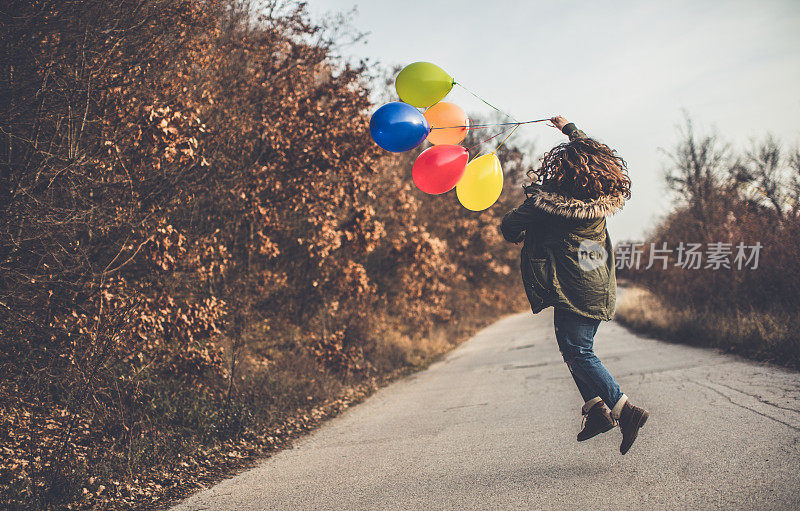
column 493, row 425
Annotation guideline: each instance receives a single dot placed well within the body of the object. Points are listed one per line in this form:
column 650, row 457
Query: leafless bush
column 731, row 197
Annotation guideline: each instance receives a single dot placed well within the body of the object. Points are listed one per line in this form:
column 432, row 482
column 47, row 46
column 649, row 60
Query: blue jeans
column 575, row 336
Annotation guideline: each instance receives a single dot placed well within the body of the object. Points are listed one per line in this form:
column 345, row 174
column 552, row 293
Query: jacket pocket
column 537, row 285
column 539, row 271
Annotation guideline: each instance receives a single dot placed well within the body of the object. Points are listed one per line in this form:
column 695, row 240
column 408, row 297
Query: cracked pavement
column 492, row 426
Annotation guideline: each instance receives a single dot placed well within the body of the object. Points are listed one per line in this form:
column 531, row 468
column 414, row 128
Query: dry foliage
column 202, row 251
column 727, row 196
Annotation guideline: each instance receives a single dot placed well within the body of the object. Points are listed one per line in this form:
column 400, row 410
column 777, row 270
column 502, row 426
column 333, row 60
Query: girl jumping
column 568, row 262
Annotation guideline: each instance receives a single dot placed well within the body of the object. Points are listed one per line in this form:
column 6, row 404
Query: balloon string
column 473, row 146
column 475, row 126
column 480, row 98
column 504, row 140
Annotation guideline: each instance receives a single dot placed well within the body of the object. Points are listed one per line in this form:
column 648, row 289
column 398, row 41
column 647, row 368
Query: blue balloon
column 398, row 127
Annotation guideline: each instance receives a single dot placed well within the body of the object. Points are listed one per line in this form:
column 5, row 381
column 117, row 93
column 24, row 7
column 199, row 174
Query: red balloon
column 439, row 168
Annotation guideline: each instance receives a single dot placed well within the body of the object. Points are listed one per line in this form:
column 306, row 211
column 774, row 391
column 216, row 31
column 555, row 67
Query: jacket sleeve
column 573, row 132
column 516, row 221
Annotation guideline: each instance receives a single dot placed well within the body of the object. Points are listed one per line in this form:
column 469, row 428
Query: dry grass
column 283, row 393
column 770, row 335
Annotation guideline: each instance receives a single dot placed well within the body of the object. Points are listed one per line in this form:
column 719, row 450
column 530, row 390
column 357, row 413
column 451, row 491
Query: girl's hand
column 559, row 122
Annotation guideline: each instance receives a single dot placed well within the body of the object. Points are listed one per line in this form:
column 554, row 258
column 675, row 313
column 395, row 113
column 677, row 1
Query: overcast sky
column 623, row 71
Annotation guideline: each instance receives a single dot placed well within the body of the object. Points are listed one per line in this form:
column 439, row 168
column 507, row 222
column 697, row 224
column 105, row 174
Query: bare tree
column 765, row 159
column 696, row 170
column 794, row 183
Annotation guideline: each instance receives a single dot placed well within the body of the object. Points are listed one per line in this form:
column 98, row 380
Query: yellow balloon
column 481, row 184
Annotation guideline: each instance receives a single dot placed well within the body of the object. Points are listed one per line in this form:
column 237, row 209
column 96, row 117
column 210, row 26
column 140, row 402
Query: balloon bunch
column 399, row 126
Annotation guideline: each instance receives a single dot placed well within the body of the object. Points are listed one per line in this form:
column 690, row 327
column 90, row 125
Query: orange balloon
column 444, row 115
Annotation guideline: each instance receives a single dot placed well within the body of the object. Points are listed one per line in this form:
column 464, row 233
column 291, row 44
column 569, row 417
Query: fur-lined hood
column 558, row 204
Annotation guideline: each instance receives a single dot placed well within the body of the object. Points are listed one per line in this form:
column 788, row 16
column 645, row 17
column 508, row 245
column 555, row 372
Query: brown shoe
column 595, row 421
column 631, row 418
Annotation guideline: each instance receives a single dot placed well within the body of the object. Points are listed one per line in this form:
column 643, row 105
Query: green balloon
column 423, row 84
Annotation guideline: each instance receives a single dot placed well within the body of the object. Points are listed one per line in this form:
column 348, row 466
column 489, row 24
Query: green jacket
column 567, row 259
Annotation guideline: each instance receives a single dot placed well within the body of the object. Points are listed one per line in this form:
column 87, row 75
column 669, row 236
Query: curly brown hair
column 584, row 169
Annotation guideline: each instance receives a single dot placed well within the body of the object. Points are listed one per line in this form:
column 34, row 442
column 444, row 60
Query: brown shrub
column 725, row 197
column 200, row 243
